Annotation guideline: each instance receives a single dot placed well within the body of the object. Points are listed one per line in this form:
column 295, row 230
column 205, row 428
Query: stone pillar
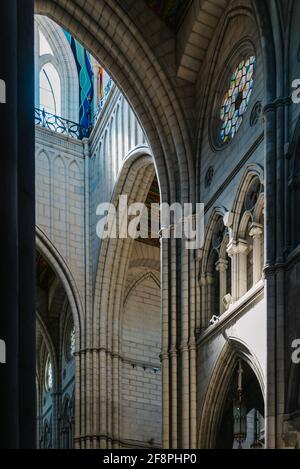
column 203, row 286
column 242, row 252
column 256, row 232
column 221, row 267
column 238, row 251
column 233, row 254
column 210, row 312
column 17, row 238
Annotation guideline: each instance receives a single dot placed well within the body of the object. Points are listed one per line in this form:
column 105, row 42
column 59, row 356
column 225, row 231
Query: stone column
column 221, row 267
column 242, row 252
column 210, row 312
column 203, row 286
column 238, row 251
column 17, row 236
column 233, row 254
column 256, row 232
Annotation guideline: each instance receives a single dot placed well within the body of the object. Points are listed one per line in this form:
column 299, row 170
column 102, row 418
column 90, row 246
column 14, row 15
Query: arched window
column 216, row 278
column 50, row 90
column 48, row 375
column 246, row 248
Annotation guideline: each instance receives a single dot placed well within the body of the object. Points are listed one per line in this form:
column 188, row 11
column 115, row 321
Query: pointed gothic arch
column 213, row 404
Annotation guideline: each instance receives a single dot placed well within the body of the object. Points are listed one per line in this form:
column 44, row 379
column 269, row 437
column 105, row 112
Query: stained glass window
column 85, row 75
column 48, row 375
column 236, row 99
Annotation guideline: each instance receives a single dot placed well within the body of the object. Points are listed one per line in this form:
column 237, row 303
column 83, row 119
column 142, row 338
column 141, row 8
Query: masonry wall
column 60, row 197
column 141, row 372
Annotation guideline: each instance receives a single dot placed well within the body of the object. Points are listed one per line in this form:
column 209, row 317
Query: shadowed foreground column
column 17, row 226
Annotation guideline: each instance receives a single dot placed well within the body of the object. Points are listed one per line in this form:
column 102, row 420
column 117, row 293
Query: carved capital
column 256, row 230
column 221, row 265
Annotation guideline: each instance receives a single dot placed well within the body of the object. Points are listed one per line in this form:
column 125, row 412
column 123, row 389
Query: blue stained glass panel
column 85, row 78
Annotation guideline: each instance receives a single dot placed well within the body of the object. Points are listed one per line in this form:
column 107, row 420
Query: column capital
column 256, row 230
column 239, row 246
column 221, row 265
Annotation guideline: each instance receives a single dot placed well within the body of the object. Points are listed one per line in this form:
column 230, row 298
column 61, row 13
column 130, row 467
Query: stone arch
column 153, row 99
column 140, row 279
column 137, row 163
column 74, row 166
column 69, row 289
column 215, row 395
column 134, row 181
column 53, row 257
column 43, row 153
column 64, row 62
column 217, row 213
column 252, row 171
column 215, row 273
column 194, row 38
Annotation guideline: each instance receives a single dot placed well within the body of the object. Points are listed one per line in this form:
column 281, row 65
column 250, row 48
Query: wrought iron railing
column 67, row 127
column 102, row 101
column 61, row 125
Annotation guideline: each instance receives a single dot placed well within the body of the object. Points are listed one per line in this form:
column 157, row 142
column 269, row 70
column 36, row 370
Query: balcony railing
column 67, row 127
column 60, row 125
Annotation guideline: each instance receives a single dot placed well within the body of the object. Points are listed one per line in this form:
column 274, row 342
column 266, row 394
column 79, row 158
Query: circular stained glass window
column 236, row 99
column 48, row 375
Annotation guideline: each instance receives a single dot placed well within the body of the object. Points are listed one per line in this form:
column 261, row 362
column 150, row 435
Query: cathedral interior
column 141, row 343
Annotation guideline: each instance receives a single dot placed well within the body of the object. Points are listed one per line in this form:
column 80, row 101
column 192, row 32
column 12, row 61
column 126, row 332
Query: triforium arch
column 246, row 232
column 215, row 269
column 218, row 389
column 252, row 172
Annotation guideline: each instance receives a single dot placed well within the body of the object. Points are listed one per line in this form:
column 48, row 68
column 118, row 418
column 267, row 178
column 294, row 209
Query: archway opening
column 82, row 162
column 55, row 366
column 242, row 411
